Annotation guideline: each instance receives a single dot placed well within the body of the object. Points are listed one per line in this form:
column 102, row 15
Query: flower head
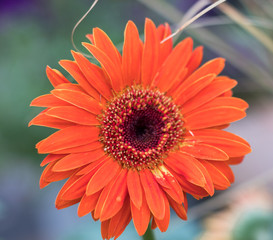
column 139, row 131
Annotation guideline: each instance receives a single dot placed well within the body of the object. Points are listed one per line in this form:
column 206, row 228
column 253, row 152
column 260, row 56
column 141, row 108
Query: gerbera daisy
column 139, row 131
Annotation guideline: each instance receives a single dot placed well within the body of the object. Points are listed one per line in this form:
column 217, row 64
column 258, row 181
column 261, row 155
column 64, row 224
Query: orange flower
column 140, row 131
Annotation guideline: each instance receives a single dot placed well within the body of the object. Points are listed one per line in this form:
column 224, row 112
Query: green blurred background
column 36, row 33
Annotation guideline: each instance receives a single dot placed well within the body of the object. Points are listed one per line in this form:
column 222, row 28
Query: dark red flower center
column 140, row 126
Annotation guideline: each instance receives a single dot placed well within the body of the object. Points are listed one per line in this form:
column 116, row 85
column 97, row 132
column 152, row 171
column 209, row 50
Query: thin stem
column 149, row 235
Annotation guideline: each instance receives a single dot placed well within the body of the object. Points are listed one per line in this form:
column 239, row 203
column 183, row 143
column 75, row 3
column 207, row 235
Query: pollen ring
column 139, row 128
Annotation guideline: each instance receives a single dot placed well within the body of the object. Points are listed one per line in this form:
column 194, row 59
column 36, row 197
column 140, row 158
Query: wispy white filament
column 190, row 21
column 77, row 24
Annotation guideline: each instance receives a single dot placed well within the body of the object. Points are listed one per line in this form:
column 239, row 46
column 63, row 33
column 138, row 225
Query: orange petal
column 203, row 133
column 55, row 77
column 187, row 166
column 224, row 101
column 173, row 65
column 214, row 66
column 225, row 169
column 61, row 204
column 231, row 144
column 78, row 99
column 150, row 56
column 73, row 69
column 113, row 72
column 94, row 75
column 204, row 151
column 115, row 197
column 173, row 188
column 154, row 195
column 73, row 114
column 134, row 188
column 77, row 188
column 163, row 224
column 76, row 160
column 235, row 160
column 90, row 38
column 122, row 219
column 104, row 43
column 79, row 149
column 183, row 94
column 67, row 138
column 216, row 88
column 92, row 167
column 141, row 216
column 48, row 100
column 51, row 158
column 88, row 204
column 213, row 116
column 103, row 176
column 104, row 229
column 132, row 52
column 47, row 121
column 165, row 48
column 196, row 191
column 49, row 176
column 220, row 181
column 195, row 60
column 178, row 208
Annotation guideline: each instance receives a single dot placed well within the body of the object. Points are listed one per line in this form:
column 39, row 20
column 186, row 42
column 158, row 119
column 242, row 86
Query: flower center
column 140, row 127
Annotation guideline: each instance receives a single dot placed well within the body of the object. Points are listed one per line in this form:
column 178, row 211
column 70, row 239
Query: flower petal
column 77, row 188
column 231, row 144
column 103, row 176
column 163, row 224
column 213, row 116
column 73, row 114
column 94, row 75
column 214, row 66
column 76, row 160
column 55, row 77
column 132, row 53
column 134, row 188
column 73, row 69
column 220, row 181
column 187, row 166
column 78, row 99
column 104, row 43
column 115, row 197
column 141, row 216
column 153, row 193
column 114, row 73
column 174, row 189
column 204, row 151
column 150, row 56
column 165, row 48
column 48, row 100
column 82, row 148
column 51, row 158
column 173, row 65
column 121, row 220
column 224, row 101
column 184, row 94
column 67, row 138
column 195, row 60
column 235, row 160
column 88, row 204
column 216, row 88
column 43, row 119
column 178, row 208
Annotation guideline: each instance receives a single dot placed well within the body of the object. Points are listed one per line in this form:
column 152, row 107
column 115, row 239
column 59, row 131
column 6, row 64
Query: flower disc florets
column 140, row 126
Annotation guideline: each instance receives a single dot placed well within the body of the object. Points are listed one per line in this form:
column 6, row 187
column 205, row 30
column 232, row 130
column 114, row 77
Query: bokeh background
column 36, row 33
